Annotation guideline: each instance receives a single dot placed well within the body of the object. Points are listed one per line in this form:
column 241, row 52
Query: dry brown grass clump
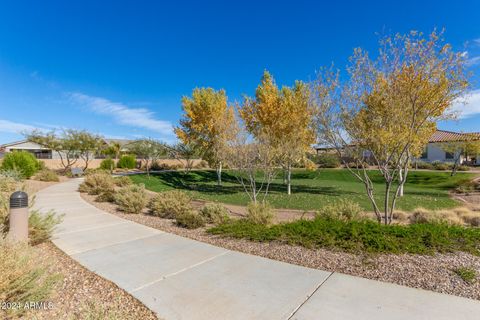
column 24, row 277
column 456, row 216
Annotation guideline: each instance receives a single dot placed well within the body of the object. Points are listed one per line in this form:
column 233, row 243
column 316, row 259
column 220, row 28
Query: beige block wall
column 56, row 164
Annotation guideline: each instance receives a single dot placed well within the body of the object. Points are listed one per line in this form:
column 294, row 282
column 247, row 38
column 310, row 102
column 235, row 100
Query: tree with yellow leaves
column 284, row 116
column 389, row 108
column 205, row 124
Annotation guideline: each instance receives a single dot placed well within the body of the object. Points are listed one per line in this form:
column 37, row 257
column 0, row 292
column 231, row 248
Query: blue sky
column 120, row 68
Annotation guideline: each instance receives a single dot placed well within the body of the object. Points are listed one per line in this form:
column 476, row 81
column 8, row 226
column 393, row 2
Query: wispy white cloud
column 477, row 41
column 7, row 126
column 473, row 61
column 123, row 114
column 468, row 107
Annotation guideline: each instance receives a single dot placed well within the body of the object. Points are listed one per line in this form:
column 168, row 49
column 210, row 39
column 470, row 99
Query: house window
column 424, row 153
column 449, row 155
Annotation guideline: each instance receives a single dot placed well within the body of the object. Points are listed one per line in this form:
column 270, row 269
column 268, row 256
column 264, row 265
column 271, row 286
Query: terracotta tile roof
column 448, row 136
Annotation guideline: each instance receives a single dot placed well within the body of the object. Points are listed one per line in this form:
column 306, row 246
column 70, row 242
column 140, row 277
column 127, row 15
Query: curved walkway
column 179, row 278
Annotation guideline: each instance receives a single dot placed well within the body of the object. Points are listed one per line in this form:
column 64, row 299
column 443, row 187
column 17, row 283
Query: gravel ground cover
column 430, row 272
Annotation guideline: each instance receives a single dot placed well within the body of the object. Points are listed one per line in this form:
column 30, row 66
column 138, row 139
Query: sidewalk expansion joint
column 178, row 272
column 309, row 296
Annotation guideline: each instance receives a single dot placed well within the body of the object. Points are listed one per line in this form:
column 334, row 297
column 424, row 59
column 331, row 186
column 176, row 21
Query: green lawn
column 312, row 189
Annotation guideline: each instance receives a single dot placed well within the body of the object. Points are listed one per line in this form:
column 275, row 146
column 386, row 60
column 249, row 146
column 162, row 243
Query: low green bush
column 41, row 226
column 41, row 165
column 25, row 277
column 97, row 183
column 437, row 165
column 463, row 168
column 170, row 204
column 127, row 162
column 122, row 181
column 359, row 235
column 215, row 213
column 423, row 165
column 131, row 198
column 260, row 213
column 190, row 219
column 107, row 164
column 47, row 175
column 23, row 161
column 344, row 209
column 326, row 160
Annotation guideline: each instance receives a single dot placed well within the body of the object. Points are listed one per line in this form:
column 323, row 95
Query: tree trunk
column 400, row 178
column 289, row 180
column 219, row 174
column 455, row 166
column 388, row 185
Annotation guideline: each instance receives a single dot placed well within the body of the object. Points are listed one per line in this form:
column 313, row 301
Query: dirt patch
column 433, row 273
column 33, row 186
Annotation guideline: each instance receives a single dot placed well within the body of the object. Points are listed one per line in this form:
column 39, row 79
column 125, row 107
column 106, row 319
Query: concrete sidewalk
column 179, row 278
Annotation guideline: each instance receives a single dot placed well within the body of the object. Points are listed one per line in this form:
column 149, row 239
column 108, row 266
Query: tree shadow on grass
column 205, row 182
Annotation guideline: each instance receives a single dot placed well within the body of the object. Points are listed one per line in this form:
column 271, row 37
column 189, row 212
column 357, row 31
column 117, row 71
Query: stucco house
column 41, row 152
column 51, row 158
column 434, row 151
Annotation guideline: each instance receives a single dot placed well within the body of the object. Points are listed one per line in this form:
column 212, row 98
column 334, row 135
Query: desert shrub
column 463, row 168
column 97, row 183
column 468, row 186
column 400, row 216
column 41, row 165
column 23, row 161
column 327, row 160
column 437, row 165
column 449, row 217
column 127, row 162
column 107, row 164
column 25, row 277
column 47, row 175
column 131, row 198
column 11, row 174
column 170, row 204
column 421, row 215
column 215, row 213
column 190, row 219
column 471, row 218
column 157, row 166
column 8, row 182
column 260, row 213
column 201, row 165
column 106, row 196
column 122, row 181
column 41, row 226
column 424, row 165
column 343, row 209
